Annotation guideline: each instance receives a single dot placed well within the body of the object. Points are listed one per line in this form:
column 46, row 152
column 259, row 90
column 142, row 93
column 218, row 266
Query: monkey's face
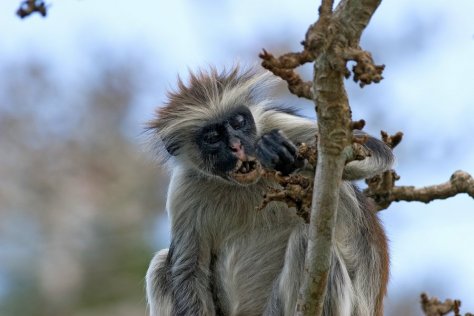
column 227, row 147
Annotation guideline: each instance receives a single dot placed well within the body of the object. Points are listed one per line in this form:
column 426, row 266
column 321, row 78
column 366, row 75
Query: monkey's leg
column 339, row 295
column 285, row 289
column 158, row 285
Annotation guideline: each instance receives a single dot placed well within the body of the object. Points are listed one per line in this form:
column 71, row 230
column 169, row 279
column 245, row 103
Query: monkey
column 217, row 132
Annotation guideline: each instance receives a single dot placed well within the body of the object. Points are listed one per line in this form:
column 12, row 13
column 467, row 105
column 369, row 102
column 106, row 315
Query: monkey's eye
column 238, row 121
column 212, row 137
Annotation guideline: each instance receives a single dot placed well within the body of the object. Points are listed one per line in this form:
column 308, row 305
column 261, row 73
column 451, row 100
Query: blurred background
column 81, row 199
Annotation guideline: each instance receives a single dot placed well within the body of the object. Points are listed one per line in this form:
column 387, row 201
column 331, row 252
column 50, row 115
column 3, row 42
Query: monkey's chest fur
column 246, row 266
column 247, row 246
column 246, row 250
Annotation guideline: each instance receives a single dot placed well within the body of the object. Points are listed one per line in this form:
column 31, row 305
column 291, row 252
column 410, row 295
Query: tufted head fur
column 208, row 94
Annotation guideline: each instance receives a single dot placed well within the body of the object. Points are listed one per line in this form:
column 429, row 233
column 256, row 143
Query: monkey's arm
column 190, row 276
column 178, row 280
column 158, row 285
column 302, row 130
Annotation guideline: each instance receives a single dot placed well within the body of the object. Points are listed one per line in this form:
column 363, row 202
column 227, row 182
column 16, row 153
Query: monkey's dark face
column 227, row 147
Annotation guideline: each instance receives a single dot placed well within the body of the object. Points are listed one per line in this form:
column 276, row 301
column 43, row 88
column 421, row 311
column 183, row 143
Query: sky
column 428, row 93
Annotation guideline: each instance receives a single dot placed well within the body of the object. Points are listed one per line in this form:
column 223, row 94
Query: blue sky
column 428, row 92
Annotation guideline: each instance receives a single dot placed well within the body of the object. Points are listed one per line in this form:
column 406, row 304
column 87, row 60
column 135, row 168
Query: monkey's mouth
column 246, row 171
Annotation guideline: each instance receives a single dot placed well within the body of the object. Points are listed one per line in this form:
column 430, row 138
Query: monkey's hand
column 275, row 151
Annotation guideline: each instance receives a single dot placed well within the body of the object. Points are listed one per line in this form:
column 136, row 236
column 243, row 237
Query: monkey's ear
column 172, row 147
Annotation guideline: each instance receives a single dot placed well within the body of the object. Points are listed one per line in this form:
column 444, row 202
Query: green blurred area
column 80, row 200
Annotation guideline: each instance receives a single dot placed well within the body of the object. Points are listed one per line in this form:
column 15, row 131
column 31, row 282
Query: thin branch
column 460, row 182
column 286, row 61
column 296, row 189
column 296, row 192
column 382, row 188
column 391, row 141
column 359, row 13
column 432, row 306
column 28, row 7
column 365, row 70
column 358, row 124
column 284, row 66
column 325, row 10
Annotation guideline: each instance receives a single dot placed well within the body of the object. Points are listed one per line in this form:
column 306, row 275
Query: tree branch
column 460, row 182
column 384, row 192
column 284, row 66
column 432, row 306
column 28, row 7
column 329, row 40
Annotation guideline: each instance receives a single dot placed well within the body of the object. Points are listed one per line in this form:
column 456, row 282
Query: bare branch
column 284, row 66
column 460, row 182
column 365, row 71
column 342, row 32
column 327, row 39
column 28, row 7
column 297, row 190
column 382, row 190
column 286, row 61
column 358, row 124
column 434, row 307
column 325, row 9
column 391, row 140
column 331, row 42
column 354, row 16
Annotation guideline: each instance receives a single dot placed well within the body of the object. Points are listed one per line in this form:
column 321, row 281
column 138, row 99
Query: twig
column 365, row 70
column 296, row 190
column 325, row 9
column 460, row 182
column 28, row 7
column 383, row 191
column 432, row 306
column 358, row 124
column 380, row 188
column 391, row 141
column 284, row 66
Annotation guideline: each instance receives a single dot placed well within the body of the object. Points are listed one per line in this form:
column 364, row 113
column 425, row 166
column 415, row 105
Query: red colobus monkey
column 226, row 258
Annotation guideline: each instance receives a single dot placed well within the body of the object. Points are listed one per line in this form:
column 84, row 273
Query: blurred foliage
column 78, row 197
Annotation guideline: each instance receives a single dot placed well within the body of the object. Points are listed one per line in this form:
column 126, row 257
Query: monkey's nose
column 237, row 148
